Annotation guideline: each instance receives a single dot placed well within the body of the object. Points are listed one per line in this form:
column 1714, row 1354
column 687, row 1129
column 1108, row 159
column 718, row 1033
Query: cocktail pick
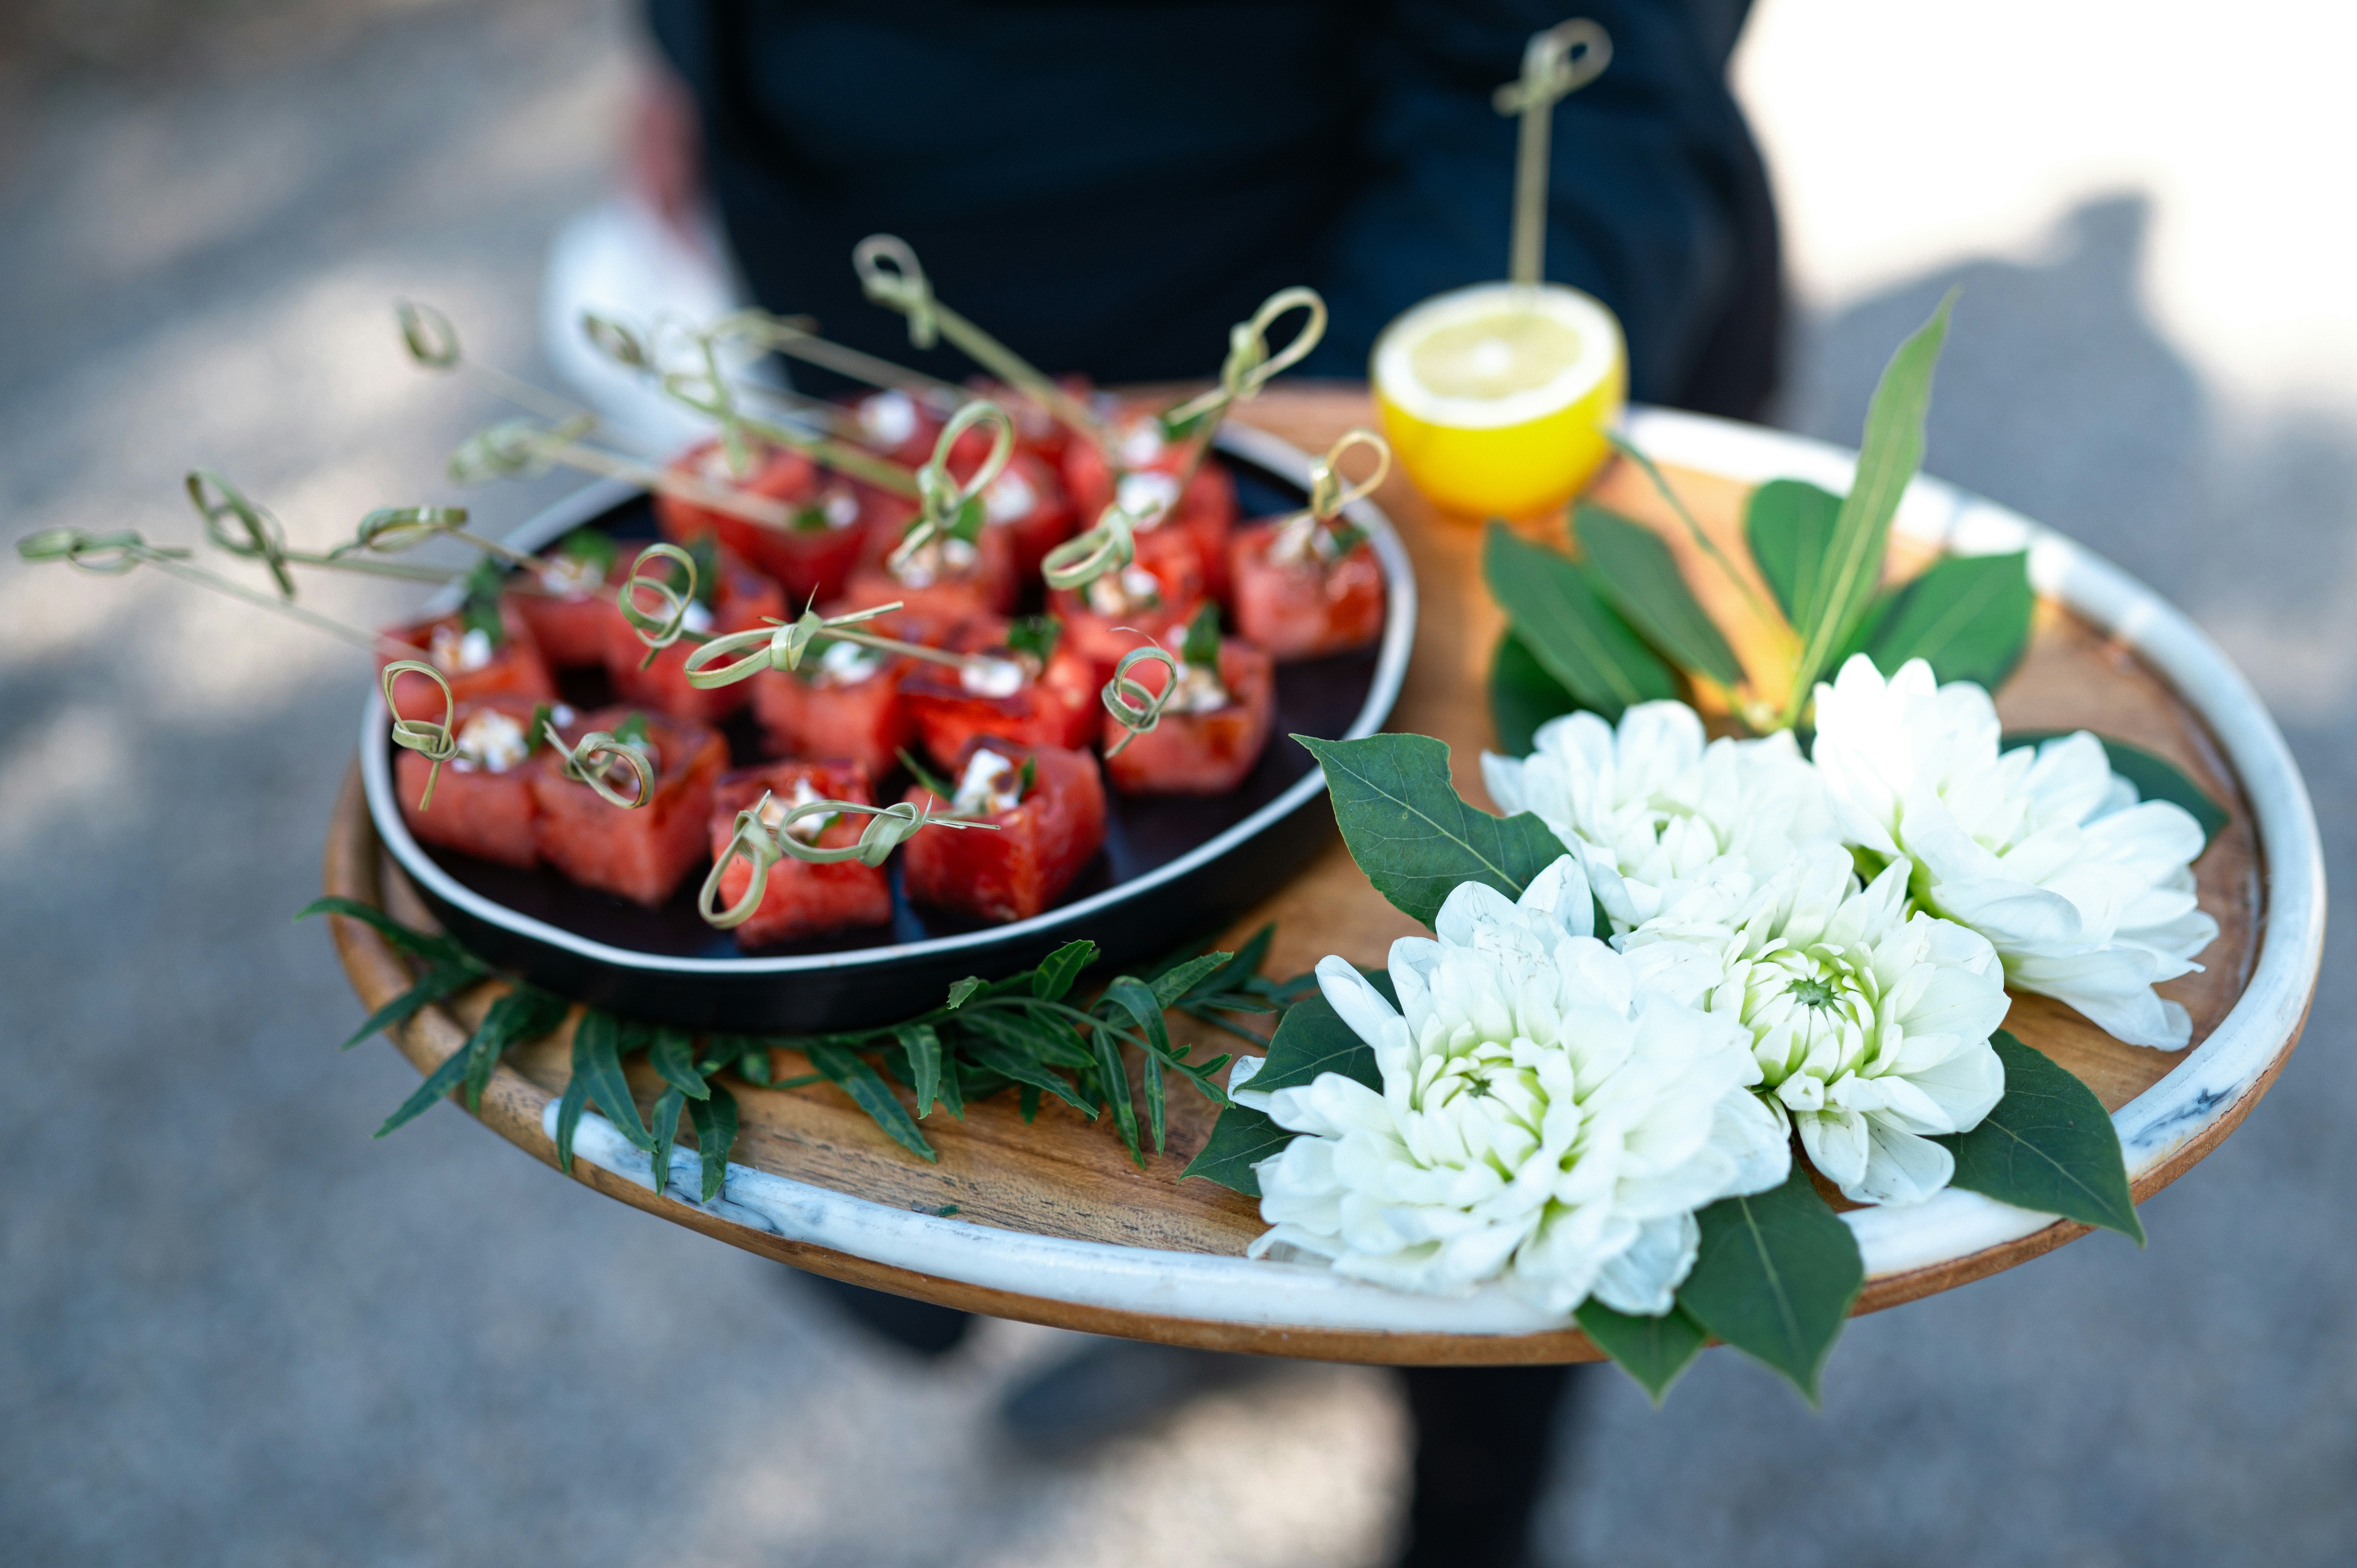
column 667, row 622
column 1249, row 365
column 118, row 553
column 518, row 448
column 951, row 508
column 1083, row 558
column 762, row 845
column 890, row 275
column 1556, row 63
column 432, row 740
column 1136, row 706
column 250, row 532
column 1329, row 494
column 793, row 337
column 593, row 759
column 432, row 341
column 784, row 644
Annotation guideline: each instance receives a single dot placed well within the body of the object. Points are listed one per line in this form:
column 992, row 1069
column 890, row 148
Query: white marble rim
column 1253, row 446
column 2201, row 1089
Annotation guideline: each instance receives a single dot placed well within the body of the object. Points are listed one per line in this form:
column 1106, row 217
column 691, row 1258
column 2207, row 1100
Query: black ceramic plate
column 1171, row 869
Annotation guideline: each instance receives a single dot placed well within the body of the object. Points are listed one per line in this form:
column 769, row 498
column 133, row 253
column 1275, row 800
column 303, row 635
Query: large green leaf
column 849, row 1073
column 1653, row 1350
column 1968, row 617
column 1843, row 585
column 2155, row 776
column 1240, row 1140
column 1412, row 835
column 1789, row 524
column 1641, row 577
column 1313, row 1039
column 1775, row 1277
column 1578, row 639
column 2049, row 1145
column 1523, row 696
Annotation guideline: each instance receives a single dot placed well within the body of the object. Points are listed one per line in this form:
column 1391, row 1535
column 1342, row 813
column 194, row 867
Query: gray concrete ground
column 234, row 1329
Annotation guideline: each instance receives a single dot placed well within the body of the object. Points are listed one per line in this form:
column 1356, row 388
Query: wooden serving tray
column 1062, row 1177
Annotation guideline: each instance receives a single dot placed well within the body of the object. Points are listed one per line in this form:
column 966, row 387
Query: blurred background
column 234, row 1329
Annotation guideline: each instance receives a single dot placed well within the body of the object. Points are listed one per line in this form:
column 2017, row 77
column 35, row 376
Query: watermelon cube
column 1297, row 600
column 812, row 557
column 1204, row 743
column 563, row 604
column 800, row 899
column 1016, row 697
column 1046, row 833
column 643, row 852
column 744, row 600
column 483, row 803
column 844, row 702
column 475, row 664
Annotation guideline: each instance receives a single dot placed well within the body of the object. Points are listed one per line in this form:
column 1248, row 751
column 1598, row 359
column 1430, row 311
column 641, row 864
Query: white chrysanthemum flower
column 1653, row 811
column 1870, row 1027
column 2087, row 895
column 1542, row 1120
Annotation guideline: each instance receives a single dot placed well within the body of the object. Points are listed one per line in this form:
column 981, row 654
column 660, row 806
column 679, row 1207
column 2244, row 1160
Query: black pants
column 1481, row 1437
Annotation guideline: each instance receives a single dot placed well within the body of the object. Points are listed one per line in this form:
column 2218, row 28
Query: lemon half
column 1495, row 398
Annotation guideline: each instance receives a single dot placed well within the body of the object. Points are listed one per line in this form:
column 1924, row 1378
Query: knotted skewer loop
column 430, row 336
column 1560, row 60
column 784, row 644
column 101, row 554
column 1249, row 365
column 431, row 739
column 941, row 498
column 902, row 287
column 762, row 846
column 616, row 340
column 1136, row 706
column 592, row 759
column 265, row 540
column 662, row 626
column 1082, row 560
column 516, row 450
column 1328, row 494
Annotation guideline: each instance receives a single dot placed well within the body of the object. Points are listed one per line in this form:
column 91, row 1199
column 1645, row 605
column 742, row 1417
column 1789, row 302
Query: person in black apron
column 1108, row 189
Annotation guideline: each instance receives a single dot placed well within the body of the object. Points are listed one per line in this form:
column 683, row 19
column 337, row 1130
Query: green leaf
column 1240, row 1140
column 1577, row 638
column 1157, row 1101
column 924, row 1048
column 665, row 1122
column 569, row 1108
column 1175, row 982
column 422, row 944
column 672, row 1054
column 597, row 1045
column 1053, row 979
column 1241, row 968
column 1845, row 582
column 480, row 610
column 927, row 779
column 524, row 1013
column 1035, row 634
column 1015, row 1066
column 715, row 1135
column 1131, row 996
column 441, row 981
column 1050, row 1039
column 962, row 991
column 1313, row 1039
column 1113, row 1078
column 1775, row 1277
column 1968, row 616
column 439, row 1082
column 1642, row 578
column 1201, row 646
column 1653, row 1350
column 952, row 1091
column 2049, row 1145
column 1523, row 696
column 1412, row 835
column 2155, row 776
column 1789, row 524
column 870, row 1093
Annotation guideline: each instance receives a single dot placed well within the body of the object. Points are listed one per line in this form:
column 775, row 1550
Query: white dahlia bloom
column 1870, row 1027
column 2087, row 895
column 1541, row 1121
column 1652, row 810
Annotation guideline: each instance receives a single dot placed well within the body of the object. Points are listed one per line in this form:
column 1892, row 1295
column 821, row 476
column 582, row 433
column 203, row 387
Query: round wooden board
column 1062, row 1177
